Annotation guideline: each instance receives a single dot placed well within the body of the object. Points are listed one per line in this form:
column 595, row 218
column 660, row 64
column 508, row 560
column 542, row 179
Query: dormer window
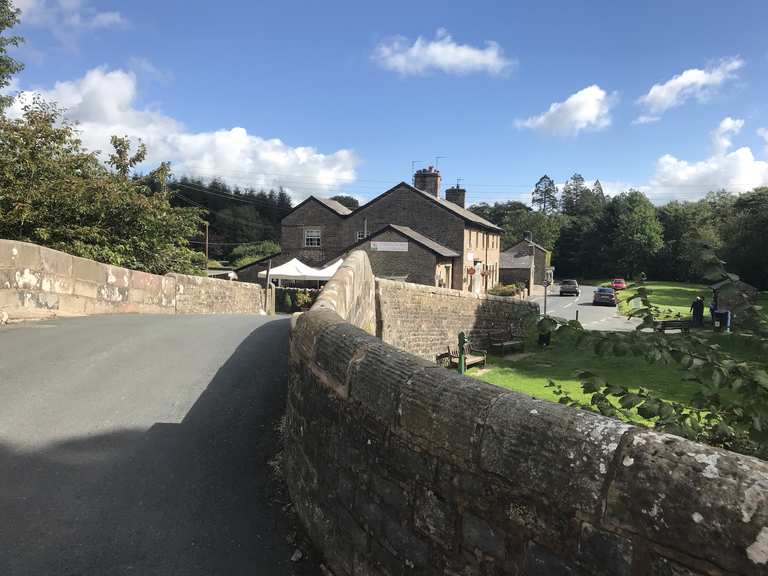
column 312, row 238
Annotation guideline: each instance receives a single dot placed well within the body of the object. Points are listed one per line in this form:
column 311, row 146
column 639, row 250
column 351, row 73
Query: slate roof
column 526, row 243
column 513, row 260
column 428, row 243
column 337, row 207
column 458, row 210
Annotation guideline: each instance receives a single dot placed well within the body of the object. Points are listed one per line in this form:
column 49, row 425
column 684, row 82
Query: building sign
column 389, row 246
column 471, row 257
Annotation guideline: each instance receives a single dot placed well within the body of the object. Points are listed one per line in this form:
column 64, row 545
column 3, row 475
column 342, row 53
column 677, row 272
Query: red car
column 618, row 284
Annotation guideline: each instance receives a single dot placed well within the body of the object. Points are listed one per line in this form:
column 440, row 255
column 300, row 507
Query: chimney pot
column 428, row 180
column 456, row 195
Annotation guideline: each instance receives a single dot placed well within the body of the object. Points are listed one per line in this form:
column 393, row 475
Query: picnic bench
column 664, row 325
column 503, row 341
column 472, row 356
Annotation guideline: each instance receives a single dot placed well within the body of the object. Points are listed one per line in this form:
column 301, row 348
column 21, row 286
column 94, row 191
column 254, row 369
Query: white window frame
column 313, row 238
column 361, row 235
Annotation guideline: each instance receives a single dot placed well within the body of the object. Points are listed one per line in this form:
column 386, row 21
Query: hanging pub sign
column 471, row 271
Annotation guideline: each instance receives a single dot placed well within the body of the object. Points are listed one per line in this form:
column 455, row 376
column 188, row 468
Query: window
column 361, row 235
column 311, row 238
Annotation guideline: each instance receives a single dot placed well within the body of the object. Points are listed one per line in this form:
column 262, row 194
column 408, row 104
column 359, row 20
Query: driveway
column 141, row 445
column 591, row 317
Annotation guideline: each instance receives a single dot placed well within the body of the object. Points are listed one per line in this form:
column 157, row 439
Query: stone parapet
column 397, row 466
column 37, row 282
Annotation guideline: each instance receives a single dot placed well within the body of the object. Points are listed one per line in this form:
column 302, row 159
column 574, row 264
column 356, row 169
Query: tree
column 745, row 234
column 498, row 212
column 347, row 201
column 634, row 232
column 544, row 197
column 545, row 228
column 122, row 161
column 9, row 17
column 56, row 193
column 247, row 253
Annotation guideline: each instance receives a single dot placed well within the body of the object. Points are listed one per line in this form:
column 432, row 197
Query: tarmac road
column 603, row 318
column 141, row 445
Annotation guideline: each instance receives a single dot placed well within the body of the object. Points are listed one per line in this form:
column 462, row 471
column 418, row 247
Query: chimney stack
column 428, row 180
column 456, row 195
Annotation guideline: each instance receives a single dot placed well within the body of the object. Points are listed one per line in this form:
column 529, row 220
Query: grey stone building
column 410, row 231
column 525, row 262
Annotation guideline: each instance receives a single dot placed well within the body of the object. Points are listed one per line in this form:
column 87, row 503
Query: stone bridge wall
column 423, row 320
column 397, row 466
column 37, row 282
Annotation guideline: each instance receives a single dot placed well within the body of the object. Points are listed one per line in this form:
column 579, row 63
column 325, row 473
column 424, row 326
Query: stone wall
column 423, row 320
column 37, row 282
column 397, row 466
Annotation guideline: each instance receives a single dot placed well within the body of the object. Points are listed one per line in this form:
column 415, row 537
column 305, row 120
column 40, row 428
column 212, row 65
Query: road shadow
column 189, row 498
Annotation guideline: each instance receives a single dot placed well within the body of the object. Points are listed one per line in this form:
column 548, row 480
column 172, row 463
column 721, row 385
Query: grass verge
column 673, row 298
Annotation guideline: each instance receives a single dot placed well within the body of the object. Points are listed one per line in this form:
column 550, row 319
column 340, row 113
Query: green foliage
column 636, row 234
column 730, row 407
column 507, row 289
column 247, row 253
column 55, row 193
column 303, row 299
column 499, row 212
column 236, row 216
column 9, row 17
column 544, row 196
column 287, row 302
column 347, row 201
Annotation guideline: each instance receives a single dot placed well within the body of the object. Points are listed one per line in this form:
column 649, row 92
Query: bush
column 506, row 289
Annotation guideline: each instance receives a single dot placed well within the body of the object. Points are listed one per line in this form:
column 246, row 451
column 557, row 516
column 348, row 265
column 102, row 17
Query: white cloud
column 103, row 102
column 67, row 16
column 442, row 54
column 646, row 119
column 733, row 170
column 721, row 136
column 692, row 83
column 587, row 109
column 763, row 133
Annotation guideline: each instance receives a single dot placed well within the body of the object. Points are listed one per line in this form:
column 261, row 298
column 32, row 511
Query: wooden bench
column 664, row 325
column 472, row 356
column 503, row 341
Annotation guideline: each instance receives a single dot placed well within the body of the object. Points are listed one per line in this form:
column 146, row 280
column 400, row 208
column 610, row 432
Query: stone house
column 410, row 231
column 525, row 262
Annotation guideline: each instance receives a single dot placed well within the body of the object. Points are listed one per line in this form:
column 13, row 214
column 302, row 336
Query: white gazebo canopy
column 296, row 270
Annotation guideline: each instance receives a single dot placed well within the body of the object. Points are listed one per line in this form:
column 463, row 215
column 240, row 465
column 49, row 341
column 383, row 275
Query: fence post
column 462, row 359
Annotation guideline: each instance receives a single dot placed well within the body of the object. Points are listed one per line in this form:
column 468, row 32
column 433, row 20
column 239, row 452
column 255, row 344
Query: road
column 141, row 445
column 591, row 317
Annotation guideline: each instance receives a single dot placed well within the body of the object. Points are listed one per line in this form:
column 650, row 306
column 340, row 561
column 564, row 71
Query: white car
column 569, row 288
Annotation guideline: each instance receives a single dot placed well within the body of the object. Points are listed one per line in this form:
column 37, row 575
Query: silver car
column 569, row 288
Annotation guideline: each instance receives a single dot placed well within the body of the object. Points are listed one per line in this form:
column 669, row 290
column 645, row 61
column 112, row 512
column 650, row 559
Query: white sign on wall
column 470, row 256
column 389, row 246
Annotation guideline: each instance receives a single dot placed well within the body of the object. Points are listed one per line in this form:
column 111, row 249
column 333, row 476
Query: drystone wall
column 423, row 320
column 397, row 466
column 37, row 282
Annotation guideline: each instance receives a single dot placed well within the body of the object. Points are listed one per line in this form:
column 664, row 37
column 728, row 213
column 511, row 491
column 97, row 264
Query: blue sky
column 332, row 97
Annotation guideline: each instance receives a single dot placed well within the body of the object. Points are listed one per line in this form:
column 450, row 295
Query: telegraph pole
column 206, row 244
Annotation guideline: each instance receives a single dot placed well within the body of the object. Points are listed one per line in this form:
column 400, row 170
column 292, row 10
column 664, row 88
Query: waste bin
column 722, row 321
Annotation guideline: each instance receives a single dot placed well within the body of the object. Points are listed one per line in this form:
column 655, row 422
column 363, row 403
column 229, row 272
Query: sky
column 346, row 97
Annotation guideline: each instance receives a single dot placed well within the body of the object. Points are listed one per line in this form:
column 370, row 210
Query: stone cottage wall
column 397, row 466
column 423, row 320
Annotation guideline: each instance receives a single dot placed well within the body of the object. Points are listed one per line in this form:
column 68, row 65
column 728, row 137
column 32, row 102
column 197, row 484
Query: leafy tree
column 9, row 17
column 498, row 212
column 544, row 196
column 745, row 233
column 122, row 161
column 247, row 253
column 545, row 228
column 347, row 201
column 55, row 193
column 635, row 234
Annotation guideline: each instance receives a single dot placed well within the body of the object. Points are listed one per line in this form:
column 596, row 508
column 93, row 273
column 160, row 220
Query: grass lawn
column 672, row 297
column 559, row 362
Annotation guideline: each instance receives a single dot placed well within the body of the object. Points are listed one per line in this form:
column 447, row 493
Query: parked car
column 604, row 297
column 619, row 284
column 569, row 288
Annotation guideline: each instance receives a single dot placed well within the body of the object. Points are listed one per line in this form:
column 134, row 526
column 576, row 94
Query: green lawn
column 560, row 362
column 531, row 374
column 672, row 297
